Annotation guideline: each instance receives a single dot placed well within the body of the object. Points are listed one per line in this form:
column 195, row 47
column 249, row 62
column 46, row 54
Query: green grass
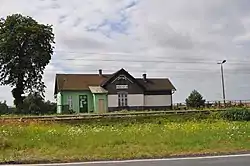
column 121, row 139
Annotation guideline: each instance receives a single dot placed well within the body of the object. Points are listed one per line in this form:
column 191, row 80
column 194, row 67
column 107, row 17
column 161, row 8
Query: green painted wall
column 96, row 98
column 75, row 99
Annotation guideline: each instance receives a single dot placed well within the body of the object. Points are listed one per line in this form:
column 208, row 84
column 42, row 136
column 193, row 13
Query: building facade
column 101, row 93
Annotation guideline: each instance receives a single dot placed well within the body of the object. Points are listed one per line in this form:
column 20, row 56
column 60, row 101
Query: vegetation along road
column 122, row 138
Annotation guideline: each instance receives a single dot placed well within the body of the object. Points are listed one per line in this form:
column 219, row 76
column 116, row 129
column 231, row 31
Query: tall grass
column 121, row 138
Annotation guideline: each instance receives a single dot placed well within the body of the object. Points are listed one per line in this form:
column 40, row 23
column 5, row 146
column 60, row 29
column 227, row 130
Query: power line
column 148, row 61
column 180, row 72
column 113, row 68
column 127, row 60
column 197, row 60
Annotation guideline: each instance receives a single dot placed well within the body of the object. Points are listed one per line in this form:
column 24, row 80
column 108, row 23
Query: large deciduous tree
column 25, row 49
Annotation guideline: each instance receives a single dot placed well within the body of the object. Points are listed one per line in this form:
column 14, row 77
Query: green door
column 83, row 103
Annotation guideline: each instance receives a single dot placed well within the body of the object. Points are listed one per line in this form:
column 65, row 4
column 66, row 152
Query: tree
column 3, row 108
column 195, row 100
column 25, row 50
column 49, row 107
column 34, row 104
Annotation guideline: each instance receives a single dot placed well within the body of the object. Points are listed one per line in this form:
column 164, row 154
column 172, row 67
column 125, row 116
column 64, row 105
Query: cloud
column 183, row 40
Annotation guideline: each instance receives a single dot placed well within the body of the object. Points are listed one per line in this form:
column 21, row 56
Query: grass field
column 120, row 139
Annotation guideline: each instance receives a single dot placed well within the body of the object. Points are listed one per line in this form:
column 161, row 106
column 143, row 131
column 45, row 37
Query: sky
column 182, row 40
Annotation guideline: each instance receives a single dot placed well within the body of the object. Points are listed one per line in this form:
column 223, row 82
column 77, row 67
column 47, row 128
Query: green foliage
column 3, row 108
column 62, row 142
column 240, row 114
column 195, row 100
column 34, row 104
column 25, row 50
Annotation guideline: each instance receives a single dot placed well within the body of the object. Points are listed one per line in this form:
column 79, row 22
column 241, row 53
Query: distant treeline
column 33, row 104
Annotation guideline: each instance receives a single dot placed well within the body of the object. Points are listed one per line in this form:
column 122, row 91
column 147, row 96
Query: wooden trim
column 124, row 76
column 171, row 101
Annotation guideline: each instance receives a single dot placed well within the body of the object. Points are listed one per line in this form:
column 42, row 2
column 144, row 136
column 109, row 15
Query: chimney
column 144, row 77
column 100, row 72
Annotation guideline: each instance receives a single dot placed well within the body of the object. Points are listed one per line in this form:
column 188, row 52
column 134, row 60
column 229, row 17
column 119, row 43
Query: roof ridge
column 154, row 78
column 80, row 74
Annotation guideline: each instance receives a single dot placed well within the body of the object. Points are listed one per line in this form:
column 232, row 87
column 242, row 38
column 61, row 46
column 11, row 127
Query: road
column 230, row 160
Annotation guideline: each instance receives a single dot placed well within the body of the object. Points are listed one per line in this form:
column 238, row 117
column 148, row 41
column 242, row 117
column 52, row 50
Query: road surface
column 230, row 160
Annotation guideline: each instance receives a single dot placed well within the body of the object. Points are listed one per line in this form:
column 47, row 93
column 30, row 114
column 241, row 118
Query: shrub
column 236, row 114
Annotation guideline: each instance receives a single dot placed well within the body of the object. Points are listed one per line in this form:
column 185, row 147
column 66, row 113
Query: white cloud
column 143, row 30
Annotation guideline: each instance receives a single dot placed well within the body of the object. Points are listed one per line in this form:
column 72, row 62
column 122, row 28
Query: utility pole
column 222, row 81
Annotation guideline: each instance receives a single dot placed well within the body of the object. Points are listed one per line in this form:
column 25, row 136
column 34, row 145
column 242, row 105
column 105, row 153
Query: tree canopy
column 35, row 104
column 3, row 107
column 25, row 50
column 195, row 100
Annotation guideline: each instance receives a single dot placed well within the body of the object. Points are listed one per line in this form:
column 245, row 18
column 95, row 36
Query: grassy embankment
column 139, row 137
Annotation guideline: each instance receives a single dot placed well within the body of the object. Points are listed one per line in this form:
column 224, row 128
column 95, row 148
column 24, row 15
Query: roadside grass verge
column 129, row 138
column 117, row 112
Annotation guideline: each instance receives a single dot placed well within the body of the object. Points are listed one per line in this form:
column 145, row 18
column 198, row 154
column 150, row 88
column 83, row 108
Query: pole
column 223, row 86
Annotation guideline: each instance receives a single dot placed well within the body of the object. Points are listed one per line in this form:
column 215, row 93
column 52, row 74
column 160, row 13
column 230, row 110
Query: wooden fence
column 216, row 104
column 106, row 115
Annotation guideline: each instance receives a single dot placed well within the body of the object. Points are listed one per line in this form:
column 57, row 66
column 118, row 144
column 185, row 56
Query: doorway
column 101, row 106
column 83, row 103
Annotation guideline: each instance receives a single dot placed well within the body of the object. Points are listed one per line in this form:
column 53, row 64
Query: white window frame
column 121, row 86
column 122, row 99
column 70, row 102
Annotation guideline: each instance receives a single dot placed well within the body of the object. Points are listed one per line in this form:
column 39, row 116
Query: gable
column 122, row 81
column 121, row 76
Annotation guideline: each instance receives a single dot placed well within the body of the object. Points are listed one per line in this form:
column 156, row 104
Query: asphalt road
column 231, row 160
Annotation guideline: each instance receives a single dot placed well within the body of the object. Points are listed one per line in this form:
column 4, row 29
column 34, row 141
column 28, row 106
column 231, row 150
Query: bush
column 195, row 100
column 236, row 114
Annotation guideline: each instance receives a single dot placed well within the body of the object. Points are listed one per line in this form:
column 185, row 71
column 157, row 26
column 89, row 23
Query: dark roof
column 83, row 81
column 156, row 84
column 122, row 72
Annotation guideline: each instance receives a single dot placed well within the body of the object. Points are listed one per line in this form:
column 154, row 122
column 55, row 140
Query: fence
column 99, row 116
column 217, row 104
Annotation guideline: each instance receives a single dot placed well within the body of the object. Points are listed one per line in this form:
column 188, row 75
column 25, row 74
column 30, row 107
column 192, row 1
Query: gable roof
column 116, row 74
column 84, row 81
column 77, row 81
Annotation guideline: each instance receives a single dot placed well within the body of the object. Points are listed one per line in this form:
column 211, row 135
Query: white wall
column 157, row 100
column 141, row 100
column 135, row 100
column 112, row 100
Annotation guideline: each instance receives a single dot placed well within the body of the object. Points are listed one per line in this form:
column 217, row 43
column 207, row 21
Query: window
column 121, row 86
column 70, row 103
column 122, row 99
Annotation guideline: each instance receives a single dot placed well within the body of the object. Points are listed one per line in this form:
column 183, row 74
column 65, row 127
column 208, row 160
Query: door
column 83, row 103
column 101, row 106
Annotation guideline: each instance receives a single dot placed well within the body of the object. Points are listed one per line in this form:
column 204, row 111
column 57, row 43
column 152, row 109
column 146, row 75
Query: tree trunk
column 17, row 93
